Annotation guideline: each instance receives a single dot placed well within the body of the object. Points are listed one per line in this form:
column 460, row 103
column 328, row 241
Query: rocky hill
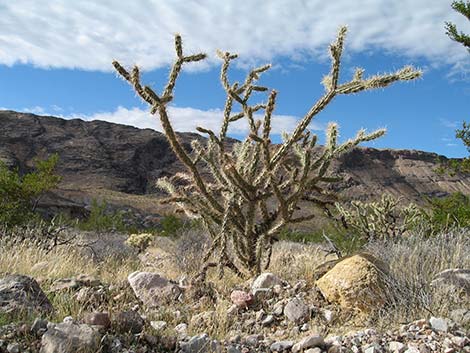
column 121, row 163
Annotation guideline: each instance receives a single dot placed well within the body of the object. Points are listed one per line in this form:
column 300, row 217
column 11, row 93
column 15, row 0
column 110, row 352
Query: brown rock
column 98, row 319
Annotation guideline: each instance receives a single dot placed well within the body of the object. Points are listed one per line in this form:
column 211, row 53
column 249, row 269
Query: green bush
column 102, row 220
column 20, row 194
column 449, row 212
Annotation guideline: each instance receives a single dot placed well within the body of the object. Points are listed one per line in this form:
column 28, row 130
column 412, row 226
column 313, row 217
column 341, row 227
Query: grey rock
column 297, row 311
column 396, row 347
column 13, row 348
column 314, row 350
column 233, row 349
column 281, row 346
column 70, row 338
column 201, row 344
column 266, row 281
column 158, row 325
column 152, row 289
column 308, row 342
column 22, row 293
column 39, row 326
column 439, row 324
column 268, row 320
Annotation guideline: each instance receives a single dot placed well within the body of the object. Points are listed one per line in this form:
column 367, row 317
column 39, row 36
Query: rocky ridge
column 121, row 163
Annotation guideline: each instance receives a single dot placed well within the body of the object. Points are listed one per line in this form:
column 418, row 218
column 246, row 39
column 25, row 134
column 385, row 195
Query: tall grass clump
column 414, row 262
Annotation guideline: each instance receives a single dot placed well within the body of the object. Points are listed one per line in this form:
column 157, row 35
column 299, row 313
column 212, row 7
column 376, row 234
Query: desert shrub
column 448, row 213
column 171, row 225
column 140, row 241
column 383, row 219
column 254, row 188
column 20, row 194
column 101, row 219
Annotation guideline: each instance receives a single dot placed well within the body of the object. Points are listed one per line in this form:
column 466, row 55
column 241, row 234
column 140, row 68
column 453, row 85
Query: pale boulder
column 358, row 282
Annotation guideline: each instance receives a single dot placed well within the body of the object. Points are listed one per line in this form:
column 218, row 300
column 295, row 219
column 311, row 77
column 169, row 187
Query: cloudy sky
column 55, row 59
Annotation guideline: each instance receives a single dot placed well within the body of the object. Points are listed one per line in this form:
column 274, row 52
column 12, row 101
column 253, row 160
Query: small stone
column 268, row 320
column 308, row 342
column 181, row 330
column 201, row 344
column 305, row 327
column 98, row 319
column 328, row 315
column 68, row 320
column 39, row 326
column 396, row 347
column 233, row 310
column 278, row 309
column 281, row 346
column 314, row 350
column 460, row 341
column 241, row 298
column 373, row 349
column 260, row 315
column 13, row 348
column 253, row 340
column 158, row 325
column 233, row 349
column 70, row 338
column 438, row 324
column 297, row 311
column 266, row 280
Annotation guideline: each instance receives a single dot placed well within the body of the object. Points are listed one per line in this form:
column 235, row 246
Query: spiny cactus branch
column 255, row 188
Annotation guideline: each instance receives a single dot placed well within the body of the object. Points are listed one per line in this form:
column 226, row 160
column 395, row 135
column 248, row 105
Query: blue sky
column 55, row 59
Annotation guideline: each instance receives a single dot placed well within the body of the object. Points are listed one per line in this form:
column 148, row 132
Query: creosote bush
column 255, row 188
column 20, row 194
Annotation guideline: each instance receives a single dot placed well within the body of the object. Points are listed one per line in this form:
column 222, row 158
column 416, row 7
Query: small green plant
column 383, row 219
column 101, row 219
column 20, row 194
column 449, row 212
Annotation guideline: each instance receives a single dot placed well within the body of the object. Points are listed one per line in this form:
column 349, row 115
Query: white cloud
column 187, row 119
column 88, row 34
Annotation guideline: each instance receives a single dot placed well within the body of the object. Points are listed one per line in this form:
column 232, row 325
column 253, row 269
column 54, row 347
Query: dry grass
column 414, row 262
column 62, row 262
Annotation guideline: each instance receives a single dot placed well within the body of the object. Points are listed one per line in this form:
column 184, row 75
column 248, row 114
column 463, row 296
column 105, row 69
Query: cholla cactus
column 255, row 187
column 384, row 219
column 140, row 241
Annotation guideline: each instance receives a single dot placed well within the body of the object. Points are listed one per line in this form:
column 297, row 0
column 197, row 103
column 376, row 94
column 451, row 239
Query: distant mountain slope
column 121, row 163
